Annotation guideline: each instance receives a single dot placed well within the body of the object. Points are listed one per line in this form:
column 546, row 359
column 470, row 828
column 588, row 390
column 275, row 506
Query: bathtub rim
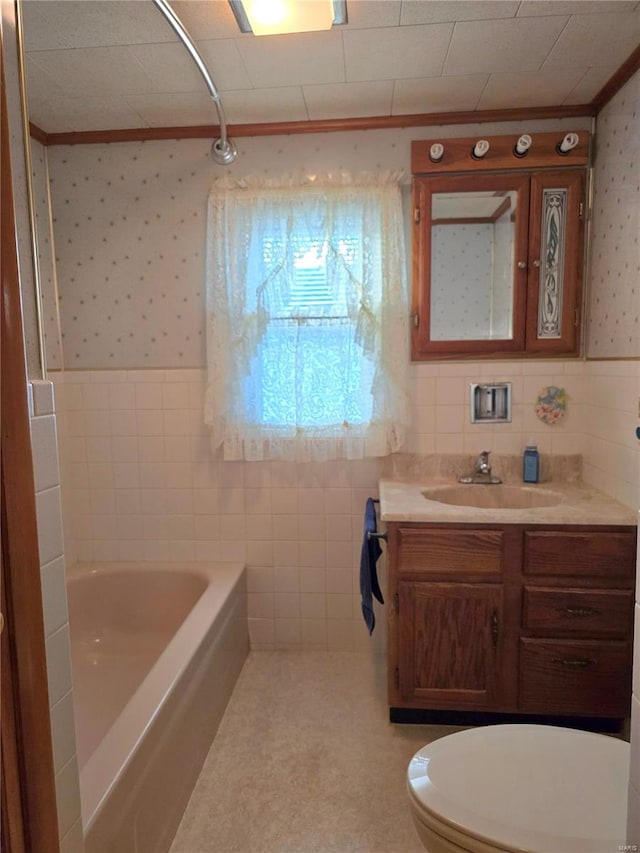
column 107, row 765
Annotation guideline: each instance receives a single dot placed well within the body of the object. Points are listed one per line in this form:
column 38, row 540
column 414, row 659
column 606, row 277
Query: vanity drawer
column 586, row 554
column 575, row 677
column 593, row 612
column 445, row 552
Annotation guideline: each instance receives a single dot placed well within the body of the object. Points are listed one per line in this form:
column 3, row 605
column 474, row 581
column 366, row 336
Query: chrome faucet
column 482, row 464
column 481, row 472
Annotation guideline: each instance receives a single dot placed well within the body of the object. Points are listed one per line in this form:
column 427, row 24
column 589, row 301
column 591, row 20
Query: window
column 307, row 309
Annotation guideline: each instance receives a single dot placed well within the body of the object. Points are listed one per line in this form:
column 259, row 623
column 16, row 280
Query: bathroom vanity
column 519, row 609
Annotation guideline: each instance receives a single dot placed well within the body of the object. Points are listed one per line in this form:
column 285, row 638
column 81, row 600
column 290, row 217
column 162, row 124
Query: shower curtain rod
column 223, row 149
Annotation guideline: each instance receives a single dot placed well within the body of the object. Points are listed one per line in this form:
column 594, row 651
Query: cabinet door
column 449, row 644
column 555, row 262
column 469, row 265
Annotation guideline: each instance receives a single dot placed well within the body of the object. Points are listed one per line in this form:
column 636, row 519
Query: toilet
column 508, row 788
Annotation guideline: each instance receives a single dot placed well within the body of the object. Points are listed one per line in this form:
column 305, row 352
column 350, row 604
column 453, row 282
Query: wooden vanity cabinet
column 511, row 619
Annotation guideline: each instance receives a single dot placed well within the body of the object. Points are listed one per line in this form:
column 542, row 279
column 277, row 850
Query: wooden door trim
column 24, row 669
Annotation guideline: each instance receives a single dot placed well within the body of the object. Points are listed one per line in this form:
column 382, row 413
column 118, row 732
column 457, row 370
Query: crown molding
column 89, row 137
column 617, row 80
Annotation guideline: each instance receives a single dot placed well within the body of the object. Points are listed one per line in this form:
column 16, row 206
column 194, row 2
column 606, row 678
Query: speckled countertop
column 574, row 502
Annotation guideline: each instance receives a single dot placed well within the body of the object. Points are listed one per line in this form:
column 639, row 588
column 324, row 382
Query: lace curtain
column 307, row 318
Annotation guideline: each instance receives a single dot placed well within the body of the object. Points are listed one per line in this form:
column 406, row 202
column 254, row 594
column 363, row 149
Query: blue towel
column 369, row 556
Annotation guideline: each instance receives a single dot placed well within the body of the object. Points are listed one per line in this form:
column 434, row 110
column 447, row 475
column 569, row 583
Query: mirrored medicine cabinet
column 498, row 245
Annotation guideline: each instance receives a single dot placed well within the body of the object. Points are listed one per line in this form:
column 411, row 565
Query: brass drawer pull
column 574, row 663
column 579, row 611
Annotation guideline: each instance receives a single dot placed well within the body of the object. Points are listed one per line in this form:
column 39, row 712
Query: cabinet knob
column 522, row 265
column 536, row 264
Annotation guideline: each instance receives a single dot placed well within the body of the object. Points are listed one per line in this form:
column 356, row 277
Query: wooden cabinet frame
column 28, row 796
column 540, row 278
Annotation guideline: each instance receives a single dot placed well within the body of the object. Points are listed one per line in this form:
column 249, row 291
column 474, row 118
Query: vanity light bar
column 540, row 150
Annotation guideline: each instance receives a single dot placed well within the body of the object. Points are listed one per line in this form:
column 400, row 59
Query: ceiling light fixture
column 274, row 17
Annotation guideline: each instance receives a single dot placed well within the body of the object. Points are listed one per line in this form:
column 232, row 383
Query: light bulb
column 480, row 148
column 523, row 145
column 570, row 141
column 436, row 152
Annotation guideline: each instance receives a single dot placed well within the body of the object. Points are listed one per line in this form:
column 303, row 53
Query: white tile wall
column 611, row 450
column 146, row 486
column 56, row 622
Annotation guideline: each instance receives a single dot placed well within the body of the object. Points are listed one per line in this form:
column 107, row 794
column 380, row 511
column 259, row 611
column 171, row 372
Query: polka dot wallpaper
column 129, row 227
column 461, row 262
column 50, row 319
column 614, row 328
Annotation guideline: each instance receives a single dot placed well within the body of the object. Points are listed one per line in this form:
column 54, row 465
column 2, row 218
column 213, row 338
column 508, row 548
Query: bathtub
column 156, row 649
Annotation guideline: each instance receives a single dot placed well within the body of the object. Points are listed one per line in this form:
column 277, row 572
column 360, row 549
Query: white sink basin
column 500, row 496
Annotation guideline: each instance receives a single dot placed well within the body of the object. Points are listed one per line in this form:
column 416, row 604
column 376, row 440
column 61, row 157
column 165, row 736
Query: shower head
column 224, row 151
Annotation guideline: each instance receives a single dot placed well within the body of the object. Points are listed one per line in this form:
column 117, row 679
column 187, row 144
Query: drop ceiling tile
column 438, row 94
column 94, row 71
column 265, row 105
column 387, row 54
column 437, row 11
column 173, row 70
column 40, row 29
column 514, row 44
column 39, row 85
column 207, row 19
column 373, row 13
column 223, row 60
column 303, row 58
column 173, row 110
column 589, row 85
column 99, row 23
column 529, row 89
column 574, row 7
column 57, row 115
column 169, row 66
column 345, row 100
column 592, row 40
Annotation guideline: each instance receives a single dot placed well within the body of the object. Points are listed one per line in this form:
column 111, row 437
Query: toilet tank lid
column 529, row 787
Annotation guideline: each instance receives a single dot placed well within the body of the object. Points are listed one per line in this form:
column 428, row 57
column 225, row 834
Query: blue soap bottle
column 531, row 464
